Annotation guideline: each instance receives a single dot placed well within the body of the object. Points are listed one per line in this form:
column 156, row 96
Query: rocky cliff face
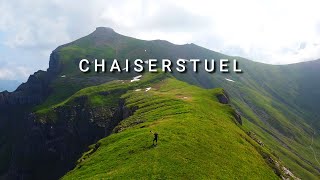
column 46, row 147
column 224, row 98
column 53, row 144
column 36, row 89
column 14, row 108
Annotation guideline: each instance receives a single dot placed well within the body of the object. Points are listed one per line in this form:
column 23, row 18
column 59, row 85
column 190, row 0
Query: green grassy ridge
column 266, row 96
column 299, row 129
column 198, row 138
column 283, row 88
column 96, row 97
column 292, row 150
column 288, row 157
column 70, row 54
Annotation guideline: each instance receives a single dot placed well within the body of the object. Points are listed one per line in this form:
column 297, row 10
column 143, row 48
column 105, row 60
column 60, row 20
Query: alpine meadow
column 260, row 123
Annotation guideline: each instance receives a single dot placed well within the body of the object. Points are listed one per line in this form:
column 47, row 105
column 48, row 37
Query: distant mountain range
column 9, row 85
column 263, row 124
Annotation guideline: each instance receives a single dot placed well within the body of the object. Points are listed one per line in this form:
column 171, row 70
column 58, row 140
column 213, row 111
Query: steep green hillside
column 278, row 102
column 198, row 137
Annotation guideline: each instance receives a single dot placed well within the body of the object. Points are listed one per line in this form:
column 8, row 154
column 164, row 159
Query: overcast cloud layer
column 267, row 31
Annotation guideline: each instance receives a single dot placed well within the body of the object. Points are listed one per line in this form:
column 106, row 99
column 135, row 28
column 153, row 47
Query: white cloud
column 5, row 73
column 14, row 72
column 269, row 31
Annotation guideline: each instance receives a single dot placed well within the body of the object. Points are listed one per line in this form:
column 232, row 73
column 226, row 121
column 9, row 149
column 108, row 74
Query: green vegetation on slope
column 272, row 116
column 198, row 138
column 278, row 103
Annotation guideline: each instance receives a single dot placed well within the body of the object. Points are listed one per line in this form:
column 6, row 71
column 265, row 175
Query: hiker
column 155, row 134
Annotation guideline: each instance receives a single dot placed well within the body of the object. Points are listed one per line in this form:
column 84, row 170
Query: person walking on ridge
column 155, row 139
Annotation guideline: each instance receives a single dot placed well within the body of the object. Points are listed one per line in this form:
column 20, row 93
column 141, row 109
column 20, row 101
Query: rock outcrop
column 223, row 98
column 56, row 140
column 237, row 116
column 36, row 89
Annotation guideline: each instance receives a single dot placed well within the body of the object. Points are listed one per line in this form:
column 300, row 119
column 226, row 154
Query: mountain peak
column 103, row 35
column 104, row 31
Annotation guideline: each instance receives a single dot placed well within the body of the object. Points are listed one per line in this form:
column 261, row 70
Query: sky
column 268, row 31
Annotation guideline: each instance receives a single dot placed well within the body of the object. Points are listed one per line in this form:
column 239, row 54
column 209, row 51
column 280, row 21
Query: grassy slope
column 198, row 138
column 270, row 97
column 274, row 115
column 86, row 47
